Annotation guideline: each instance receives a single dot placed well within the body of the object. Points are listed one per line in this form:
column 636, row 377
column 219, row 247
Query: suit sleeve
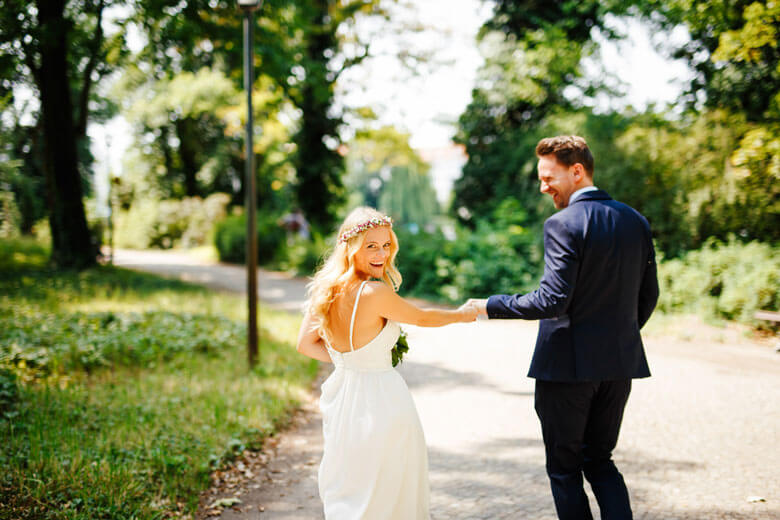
column 648, row 290
column 552, row 298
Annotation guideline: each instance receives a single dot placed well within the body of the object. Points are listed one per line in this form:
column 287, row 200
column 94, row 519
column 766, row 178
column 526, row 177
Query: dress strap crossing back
column 354, row 311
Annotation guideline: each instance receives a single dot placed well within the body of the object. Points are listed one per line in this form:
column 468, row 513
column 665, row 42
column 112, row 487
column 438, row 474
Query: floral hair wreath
column 370, row 223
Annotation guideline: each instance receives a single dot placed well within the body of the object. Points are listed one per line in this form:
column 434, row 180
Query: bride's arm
column 310, row 343
column 388, row 304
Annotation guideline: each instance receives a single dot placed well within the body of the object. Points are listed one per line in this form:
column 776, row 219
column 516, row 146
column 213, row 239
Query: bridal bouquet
column 401, row 347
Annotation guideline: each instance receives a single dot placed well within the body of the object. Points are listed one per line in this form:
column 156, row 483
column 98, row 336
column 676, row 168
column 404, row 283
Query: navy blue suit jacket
column 598, row 289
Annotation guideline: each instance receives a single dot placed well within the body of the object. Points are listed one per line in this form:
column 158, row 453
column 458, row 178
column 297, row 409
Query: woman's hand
column 309, row 341
column 468, row 312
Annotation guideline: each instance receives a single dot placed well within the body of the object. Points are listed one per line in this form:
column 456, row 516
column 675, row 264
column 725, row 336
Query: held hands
column 468, row 312
column 480, row 304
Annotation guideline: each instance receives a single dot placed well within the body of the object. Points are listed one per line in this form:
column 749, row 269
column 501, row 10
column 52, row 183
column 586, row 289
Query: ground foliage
column 120, row 392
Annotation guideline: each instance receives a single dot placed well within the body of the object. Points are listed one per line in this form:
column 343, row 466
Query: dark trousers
column 580, row 426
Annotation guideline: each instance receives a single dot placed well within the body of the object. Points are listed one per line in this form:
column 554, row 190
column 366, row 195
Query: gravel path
column 699, row 437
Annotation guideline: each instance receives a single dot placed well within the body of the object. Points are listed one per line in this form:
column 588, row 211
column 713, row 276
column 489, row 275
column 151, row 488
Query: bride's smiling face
column 373, row 256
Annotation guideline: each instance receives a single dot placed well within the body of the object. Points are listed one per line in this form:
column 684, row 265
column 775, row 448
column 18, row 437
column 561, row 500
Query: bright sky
column 428, row 105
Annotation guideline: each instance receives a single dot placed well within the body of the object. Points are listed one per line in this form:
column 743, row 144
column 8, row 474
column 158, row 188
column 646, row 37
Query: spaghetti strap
column 354, row 311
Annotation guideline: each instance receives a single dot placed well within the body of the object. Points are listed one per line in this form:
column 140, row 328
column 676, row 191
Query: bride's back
column 368, row 323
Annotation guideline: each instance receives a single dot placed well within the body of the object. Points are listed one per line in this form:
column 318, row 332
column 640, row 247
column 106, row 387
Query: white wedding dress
column 375, row 461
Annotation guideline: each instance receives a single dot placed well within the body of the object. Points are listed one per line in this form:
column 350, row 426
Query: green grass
column 120, row 392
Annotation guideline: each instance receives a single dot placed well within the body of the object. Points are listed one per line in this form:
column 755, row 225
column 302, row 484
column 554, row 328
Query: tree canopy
column 712, row 171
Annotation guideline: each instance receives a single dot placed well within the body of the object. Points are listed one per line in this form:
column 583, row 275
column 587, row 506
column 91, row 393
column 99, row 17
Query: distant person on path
column 296, row 223
column 375, row 461
column 598, row 289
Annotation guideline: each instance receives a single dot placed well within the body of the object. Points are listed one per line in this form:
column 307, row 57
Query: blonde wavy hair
column 337, row 274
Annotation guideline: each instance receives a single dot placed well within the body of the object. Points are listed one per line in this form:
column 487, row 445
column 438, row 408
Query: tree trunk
column 319, row 188
column 188, row 146
column 71, row 241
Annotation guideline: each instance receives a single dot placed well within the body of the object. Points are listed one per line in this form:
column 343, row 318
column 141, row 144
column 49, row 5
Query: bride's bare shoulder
column 377, row 290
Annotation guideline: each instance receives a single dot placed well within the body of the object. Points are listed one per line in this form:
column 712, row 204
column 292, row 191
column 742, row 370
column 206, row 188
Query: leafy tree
column 740, row 85
column 181, row 94
column 318, row 164
column 734, row 50
column 185, row 105
column 521, row 83
column 710, row 173
column 754, row 47
column 575, row 19
column 409, row 197
column 298, row 46
column 533, row 52
column 58, row 50
column 20, row 160
column 383, row 171
column 10, row 218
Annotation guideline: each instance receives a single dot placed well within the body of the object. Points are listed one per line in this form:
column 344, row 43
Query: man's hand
column 468, row 312
column 480, row 304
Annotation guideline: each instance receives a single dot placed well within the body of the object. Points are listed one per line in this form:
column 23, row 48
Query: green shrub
column 496, row 257
column 230, row 238
column 23, row 251
column 61, row 342
column 723, row 280
column 10, row 217
column 301, row 255
column 169, row 223
column 422, row 263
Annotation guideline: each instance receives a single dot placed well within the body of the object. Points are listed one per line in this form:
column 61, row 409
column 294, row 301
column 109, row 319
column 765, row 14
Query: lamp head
column 249, row 5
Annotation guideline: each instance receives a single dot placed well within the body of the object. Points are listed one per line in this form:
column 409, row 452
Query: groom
column 599, row 288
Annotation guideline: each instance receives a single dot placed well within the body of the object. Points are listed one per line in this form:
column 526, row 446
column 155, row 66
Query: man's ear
column 579, row 171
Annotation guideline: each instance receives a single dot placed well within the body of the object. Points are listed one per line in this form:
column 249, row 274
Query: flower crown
column 363, row 226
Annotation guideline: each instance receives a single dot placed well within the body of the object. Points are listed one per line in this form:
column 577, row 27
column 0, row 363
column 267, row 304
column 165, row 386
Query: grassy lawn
column 120, row 392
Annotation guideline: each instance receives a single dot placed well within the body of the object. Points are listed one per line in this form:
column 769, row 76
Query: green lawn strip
column 129, row 389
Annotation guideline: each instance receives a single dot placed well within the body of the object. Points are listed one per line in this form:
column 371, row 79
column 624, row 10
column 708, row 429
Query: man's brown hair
column 568, row 150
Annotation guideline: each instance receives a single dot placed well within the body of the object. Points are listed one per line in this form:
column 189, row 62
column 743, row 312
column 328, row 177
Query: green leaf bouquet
column 401, row 347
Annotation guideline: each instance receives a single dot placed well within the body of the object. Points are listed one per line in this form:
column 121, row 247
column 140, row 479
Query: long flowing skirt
column 375, row 461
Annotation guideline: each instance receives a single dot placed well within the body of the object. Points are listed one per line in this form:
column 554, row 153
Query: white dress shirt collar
column 574, row 196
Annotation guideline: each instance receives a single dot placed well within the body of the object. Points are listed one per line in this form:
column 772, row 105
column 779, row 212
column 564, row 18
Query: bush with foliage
column 230, row 238
column 9, row 214
column 88, row 341
column 500, row 255
column 169, row 223
column 301, row 255
column 728, row 280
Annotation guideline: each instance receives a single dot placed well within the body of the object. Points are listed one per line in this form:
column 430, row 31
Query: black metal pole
column 251, row 233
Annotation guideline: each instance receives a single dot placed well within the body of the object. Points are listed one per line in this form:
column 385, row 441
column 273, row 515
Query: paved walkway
column 699, row 439
column 278, row 290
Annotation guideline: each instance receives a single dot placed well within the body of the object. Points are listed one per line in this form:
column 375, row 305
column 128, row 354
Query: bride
column 375, row 462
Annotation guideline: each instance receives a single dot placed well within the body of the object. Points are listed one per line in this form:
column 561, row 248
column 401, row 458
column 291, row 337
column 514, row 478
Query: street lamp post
column 249, row 6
